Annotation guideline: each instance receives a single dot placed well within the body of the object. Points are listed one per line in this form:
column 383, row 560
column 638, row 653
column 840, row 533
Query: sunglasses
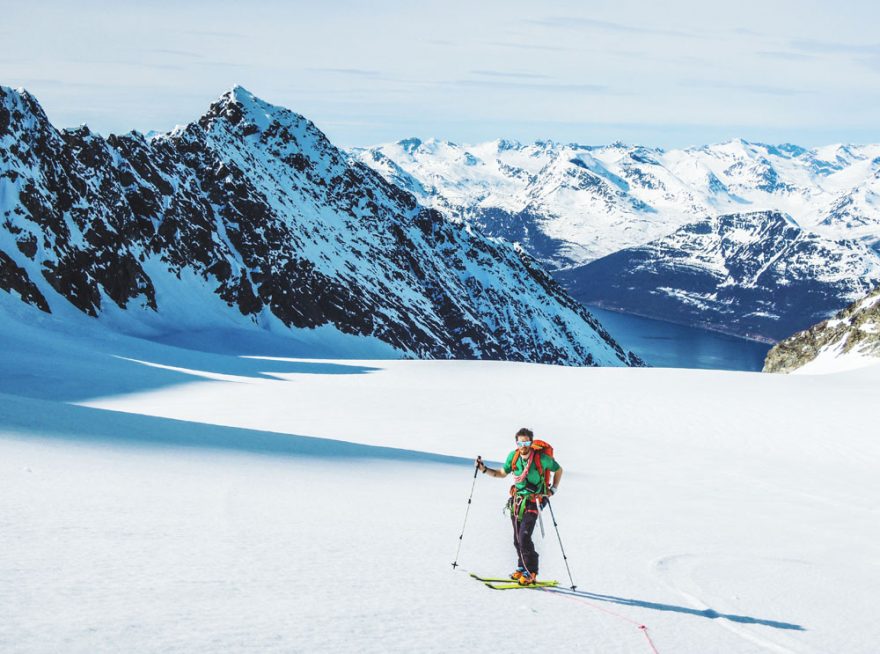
column 524, row 443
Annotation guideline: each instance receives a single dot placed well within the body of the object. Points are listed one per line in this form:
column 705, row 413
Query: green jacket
column 534, row 478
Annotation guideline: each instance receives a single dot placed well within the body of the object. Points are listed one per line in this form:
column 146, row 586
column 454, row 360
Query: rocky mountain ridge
column 250, row 216
column 852, row 335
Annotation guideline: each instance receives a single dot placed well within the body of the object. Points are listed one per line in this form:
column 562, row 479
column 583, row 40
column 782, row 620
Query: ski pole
column 559, row 538
column 464, row 524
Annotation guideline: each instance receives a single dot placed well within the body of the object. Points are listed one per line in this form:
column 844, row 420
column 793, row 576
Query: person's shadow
column 706, row 613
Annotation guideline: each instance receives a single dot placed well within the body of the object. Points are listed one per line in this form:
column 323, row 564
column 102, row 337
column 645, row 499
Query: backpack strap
column 537, row 459
column 512, row 467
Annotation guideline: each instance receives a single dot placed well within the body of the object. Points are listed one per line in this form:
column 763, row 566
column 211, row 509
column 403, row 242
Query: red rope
column 642, row 628
column 648, row 636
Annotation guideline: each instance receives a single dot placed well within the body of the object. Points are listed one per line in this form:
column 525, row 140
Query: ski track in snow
column 668, row 568
column 155, row 498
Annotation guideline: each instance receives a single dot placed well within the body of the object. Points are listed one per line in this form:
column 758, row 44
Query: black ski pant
column 527, row 557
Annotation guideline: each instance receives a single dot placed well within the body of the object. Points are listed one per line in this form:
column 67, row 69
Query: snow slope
column 158, row 498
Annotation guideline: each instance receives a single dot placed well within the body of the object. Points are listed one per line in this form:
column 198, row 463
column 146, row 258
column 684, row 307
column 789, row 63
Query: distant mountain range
column 249, row 217
column 756, row 274
column 752, row 239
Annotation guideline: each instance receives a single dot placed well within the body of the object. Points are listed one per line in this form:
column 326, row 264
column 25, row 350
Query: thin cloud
column 746, row 31
column 784, row 55
column 758, row 89
column 57, row 83
column 219, row 35
column 509, row 75
column 810, row 45
column 530, row 86
column 176, row 53
column 871, row 62
column 574, row 22
column 219, row 64
column 519, row 45
column 864, row 54
column 129, row 64
column 355, row 72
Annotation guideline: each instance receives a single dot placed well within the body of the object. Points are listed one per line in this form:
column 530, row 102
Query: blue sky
column 670, row 73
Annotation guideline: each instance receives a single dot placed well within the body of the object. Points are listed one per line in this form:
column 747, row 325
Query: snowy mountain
column 570, row 204
column 755, row 274
column 249, row 217
column 849, row 340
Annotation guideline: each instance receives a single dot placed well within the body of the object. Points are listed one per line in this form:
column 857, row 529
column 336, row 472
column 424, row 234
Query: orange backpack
column 539, row 447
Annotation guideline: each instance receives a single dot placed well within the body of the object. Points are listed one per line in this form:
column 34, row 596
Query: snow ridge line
column 570, row 595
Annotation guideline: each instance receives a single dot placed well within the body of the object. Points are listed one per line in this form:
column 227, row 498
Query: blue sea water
column 667, row 345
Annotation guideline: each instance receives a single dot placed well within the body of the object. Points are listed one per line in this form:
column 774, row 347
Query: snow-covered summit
column 241, row 108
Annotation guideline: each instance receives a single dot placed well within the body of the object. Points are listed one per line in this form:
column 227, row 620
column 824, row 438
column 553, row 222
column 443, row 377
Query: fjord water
column 668, row 345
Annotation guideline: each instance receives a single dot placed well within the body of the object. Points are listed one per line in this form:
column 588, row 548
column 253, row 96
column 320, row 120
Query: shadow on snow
column 74, row 369
column 38, row 419
column 655, row 606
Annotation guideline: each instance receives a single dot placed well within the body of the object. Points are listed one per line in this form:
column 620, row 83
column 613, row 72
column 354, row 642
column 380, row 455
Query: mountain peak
column 239, row 103
column 248, row 114
column 248, row 100
column 507, row 144
column 18, row 105
column 410, row 145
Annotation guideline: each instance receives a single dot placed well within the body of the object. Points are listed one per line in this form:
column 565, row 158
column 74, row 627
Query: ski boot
column 516, row 574
column 527, row 578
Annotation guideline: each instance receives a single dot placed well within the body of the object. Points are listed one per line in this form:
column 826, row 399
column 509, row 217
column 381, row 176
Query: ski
column 498, row 583
column 512, row 585
column 506, row 579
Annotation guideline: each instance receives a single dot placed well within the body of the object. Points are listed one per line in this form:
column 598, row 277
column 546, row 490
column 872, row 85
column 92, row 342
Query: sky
column 668, row 74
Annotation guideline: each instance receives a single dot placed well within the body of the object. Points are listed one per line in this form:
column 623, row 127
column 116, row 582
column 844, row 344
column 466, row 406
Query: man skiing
column 529, row 465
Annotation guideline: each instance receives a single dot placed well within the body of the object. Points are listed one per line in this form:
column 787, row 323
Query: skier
column 529, row 465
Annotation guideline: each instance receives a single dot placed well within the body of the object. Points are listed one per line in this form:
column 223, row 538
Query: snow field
column 213, row 502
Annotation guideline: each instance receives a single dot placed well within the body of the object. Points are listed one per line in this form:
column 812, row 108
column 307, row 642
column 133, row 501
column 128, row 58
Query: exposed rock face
column 14, row 279
column 855, row 330
column 253, row 205
column 757, row 275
